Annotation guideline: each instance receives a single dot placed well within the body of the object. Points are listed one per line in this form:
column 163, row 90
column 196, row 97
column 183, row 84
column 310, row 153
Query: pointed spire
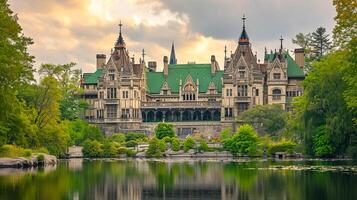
column 244, row 39
column 173, row 60
column 143, row 56
column 281, row 44
column 120, row 41
column 225, row 52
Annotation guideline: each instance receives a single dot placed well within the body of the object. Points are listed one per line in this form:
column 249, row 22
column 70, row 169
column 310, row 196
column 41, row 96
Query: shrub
column 27, row 153
column 162, row 145
column 130, row 153
column 245, row 141
column 283, row 146
column 92, row 149
column 167, row 139
column 175, row 144
column 188, row 144
column 110, row 150
column 154, row 149
column 131, row 143
column 118, row 137
column 40, row 158
column 164, row 130
column 41, row 150
column 203, row 146
column 138, row 137
column 12, row 151
column 225, row 134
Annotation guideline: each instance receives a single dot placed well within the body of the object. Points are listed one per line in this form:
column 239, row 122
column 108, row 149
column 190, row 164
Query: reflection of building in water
column 75, row 164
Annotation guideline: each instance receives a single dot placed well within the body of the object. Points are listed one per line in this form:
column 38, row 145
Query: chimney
column 166, row 66
column 100, row 61
column 300, row 57
column 213, row 65
column 152, row 65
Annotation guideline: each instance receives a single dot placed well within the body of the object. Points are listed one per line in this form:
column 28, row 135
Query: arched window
column 189, row 92
column 276, row 94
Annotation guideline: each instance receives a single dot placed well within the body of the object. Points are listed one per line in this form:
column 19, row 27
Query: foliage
column 118, row 137
column 188, row 143
column 80, row 131
column 282, row 146
column 155, row 148
column 303, row 41
column 55, row 138
column 203, row 146
column 12, row 151
column 40, row 157
column 110, row 149
column 346, row 22
column 131, row 143
column 162, row 145
column 322, row 142
column 225, row 134
column 92, row 149
column 245, row 141
column 272, row 118
column 138, row 137
column 175, row 144
column 320, row 42
column 323, row 103
column 167, row 139
column 164, row 130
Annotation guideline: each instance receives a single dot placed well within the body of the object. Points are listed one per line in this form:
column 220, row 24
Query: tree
column 138, row 137
column 203, row 146
column 320, row 42
column 322, row 142
column 175, row 144
column 92, row 149
column 346, row 22
column 225, row 134
column 272, row 118
column 154, row 149
column 303, row 41
column 164, row 130
column 244, row 142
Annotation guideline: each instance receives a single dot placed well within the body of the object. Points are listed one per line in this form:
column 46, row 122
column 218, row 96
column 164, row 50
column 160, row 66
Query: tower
column 173, row 60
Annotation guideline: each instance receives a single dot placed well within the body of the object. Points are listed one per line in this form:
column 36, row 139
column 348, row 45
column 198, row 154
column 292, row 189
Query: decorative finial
column 120, row 25
column 143, row 54
column 244, row 18
column 281, row 43
column 225, row 52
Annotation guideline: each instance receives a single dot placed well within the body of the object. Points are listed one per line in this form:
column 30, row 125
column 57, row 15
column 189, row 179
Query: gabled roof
column 91, row 78
column 202, row 72
column 294, row 70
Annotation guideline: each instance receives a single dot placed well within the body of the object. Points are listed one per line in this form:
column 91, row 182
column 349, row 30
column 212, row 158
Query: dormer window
column 276, row 76
column 241, row 71
column 111, row 77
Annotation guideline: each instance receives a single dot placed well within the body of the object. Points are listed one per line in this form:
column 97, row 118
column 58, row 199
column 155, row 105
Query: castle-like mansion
column 125, row 96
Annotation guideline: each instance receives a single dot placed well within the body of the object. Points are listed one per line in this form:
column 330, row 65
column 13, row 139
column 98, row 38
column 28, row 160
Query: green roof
column 202, row 72
column 294, row 70
column 91, row 78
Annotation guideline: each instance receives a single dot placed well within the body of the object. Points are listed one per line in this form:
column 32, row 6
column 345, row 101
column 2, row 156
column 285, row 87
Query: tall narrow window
column 276, row 94
column 111, row 93
column 112, row 111
column 242, row 90
column 125, row 94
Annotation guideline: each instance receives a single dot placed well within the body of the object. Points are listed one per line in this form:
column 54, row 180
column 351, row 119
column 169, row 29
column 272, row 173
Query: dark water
column 128, row 180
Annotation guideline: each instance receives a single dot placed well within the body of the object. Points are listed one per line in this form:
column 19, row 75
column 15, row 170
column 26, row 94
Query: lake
column 140, row 179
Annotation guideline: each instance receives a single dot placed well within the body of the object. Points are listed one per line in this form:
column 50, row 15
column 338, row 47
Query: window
column 276, row 76
column 111, row 93
column 276, row 94
column 112, row 111
column 241, row 70
column 165, row 92
column 125, row 94
column 125, row 113
column 136, row 94
column 101, row 95
column 229, row 92
column 111, row 77
column 256, row 92
column 228, row 112
column 242, row 107
column 100, row 114
column 242, row 90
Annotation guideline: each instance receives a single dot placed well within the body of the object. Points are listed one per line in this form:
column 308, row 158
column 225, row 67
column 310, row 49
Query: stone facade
column 126, row 96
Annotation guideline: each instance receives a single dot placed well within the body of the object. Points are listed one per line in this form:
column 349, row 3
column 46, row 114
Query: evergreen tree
column 320, row 42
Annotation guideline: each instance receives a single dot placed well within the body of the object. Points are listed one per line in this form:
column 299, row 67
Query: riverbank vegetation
column 45, row 114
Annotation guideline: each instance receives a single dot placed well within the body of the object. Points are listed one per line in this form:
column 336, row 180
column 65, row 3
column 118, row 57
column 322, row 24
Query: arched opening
column 197, row 115
column 207, row 115
column 143, row 116
column 159, row 116
column 186, row 116
column 151, row 116
column 276, row 94
column 216, row 115
column 176, row 116
column 168, row 116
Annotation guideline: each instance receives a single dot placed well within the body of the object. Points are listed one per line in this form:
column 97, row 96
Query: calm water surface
column 127, row 180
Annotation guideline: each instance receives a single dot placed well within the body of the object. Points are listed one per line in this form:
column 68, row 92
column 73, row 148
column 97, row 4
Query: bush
column 283, row 146
column 162, row 145
column 164, row 130
column 131, row 143
column 130, row 153
column 138, row 137
column 167, row 139
column 27, row 153
column 110, row 150
column 245, row 141
column 41, row 150
column 203, row 146
column 118, row 137
column 40, row 158
column 175, row 144
column 188, row 144
column 225, row 134
column 154, row 149
column 13, row 151
column 92, row 149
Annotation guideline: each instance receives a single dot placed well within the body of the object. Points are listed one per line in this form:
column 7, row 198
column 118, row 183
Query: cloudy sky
column 76, row 30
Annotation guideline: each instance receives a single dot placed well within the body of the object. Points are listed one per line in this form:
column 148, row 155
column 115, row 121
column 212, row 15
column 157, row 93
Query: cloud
column 75, row 30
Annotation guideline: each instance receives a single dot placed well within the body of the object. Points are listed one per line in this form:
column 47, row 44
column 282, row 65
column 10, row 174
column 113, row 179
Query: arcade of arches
column 177, row 115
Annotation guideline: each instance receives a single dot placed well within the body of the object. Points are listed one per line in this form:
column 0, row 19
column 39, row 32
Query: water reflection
column 78, row 179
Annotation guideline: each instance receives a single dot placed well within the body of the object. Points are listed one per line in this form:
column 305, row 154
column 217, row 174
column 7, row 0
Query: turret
column 101, row 58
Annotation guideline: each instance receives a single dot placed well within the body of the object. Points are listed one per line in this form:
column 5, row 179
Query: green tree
column 244, row 142
column 92, row 149
column 320, row 42
column 188, row 144
column 138, row 137
column 164, row 130
column 322, row 143
column 154, row 149
column 303, row 41
column 346, row 22
column 225, row 134
column 203, row 146
column 272, row 118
